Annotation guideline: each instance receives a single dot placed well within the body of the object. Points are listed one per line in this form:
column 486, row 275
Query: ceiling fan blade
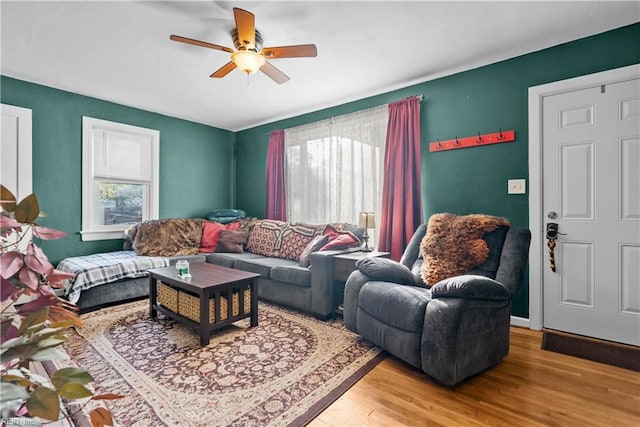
column 296, row 51
column 274, row 73
column 246, row 26
column 224, row 70
column 200, row 43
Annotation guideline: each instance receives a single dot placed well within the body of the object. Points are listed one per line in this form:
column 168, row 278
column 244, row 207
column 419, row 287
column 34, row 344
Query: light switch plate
column 517, row 186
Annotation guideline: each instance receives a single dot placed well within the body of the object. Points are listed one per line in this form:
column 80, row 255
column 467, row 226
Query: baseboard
column 521, row 322
column 607, row 352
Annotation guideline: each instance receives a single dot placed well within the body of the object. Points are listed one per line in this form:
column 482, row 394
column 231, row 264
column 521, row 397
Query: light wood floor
column 530, row 387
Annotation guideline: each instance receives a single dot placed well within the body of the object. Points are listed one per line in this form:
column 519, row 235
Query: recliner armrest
column 386, row 270
column 472, row 287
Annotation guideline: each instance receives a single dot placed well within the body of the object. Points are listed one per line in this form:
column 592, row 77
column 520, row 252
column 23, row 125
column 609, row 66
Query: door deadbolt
column 552, row 215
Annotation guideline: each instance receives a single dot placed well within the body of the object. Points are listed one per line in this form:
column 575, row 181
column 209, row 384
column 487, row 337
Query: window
column 120, row 170
column 334, row 168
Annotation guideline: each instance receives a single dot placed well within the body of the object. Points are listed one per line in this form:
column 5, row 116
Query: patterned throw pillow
column 295, row 238
column 279, row 239
column 265, row 237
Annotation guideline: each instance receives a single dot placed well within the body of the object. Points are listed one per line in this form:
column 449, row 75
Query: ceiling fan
column 249, row 55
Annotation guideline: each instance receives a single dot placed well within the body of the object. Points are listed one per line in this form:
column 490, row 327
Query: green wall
column 196, row 161
column 470, row 180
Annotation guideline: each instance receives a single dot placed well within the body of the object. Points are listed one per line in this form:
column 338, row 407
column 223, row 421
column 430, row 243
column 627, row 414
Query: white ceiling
column 120, row 50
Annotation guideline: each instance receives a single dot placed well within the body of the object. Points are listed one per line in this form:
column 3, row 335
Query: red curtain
column 401, row 194
column 276, row 205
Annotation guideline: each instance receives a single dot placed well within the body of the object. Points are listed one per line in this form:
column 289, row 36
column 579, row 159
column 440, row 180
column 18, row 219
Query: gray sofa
column 282, row 281
column 451, row 331
column 285, row 282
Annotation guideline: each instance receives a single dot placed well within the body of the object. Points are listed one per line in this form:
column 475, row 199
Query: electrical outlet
column 517, row 186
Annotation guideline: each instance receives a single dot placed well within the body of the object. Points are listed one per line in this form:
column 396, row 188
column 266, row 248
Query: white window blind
column 120, row 177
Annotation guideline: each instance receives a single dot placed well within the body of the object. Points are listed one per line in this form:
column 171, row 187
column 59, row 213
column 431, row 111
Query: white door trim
column 25, row 177
column 537, row 260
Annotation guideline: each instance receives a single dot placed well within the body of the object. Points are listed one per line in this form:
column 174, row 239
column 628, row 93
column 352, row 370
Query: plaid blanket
column 98, row 269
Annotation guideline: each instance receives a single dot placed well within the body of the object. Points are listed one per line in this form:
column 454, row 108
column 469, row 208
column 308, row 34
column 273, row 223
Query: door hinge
column 602, row 89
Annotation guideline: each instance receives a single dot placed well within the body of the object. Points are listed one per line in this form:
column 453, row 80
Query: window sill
column 89, row 235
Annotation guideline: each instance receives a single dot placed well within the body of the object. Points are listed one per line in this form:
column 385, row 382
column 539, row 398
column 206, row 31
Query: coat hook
column 457, row 142
column 501, row 136
column 479, row 140
column 438, row 144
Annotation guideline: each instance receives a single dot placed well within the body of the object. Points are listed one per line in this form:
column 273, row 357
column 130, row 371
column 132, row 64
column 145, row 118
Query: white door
column 591, row 189
column 15, row 152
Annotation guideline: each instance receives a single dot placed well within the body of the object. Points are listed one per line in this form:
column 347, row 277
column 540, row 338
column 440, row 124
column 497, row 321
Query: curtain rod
column 420, row 97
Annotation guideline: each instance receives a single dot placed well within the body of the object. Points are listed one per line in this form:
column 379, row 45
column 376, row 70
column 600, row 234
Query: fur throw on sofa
column 453, row 244
column 168, row 237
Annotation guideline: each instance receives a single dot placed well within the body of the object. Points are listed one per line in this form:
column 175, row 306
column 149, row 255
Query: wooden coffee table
column 200, row 300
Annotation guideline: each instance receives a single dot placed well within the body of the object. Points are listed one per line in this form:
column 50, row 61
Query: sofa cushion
column 211, row 234
column 400, row 306
column 228, row 259
column 262, row 265
column 264, row 237
column 495, row 242
column 313, row 246
column 279, row 239
column 232, row 241
column 339, row 238
column 293, row 274
column 295, row 238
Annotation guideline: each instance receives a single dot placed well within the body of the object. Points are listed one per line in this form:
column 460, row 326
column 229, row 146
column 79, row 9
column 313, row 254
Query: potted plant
column 31, row 332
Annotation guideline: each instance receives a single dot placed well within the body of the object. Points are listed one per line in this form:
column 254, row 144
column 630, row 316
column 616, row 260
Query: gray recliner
column 453, row 330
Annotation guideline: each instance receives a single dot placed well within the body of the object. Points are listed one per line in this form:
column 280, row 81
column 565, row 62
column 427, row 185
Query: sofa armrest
column 322, row 282
column 472, row 287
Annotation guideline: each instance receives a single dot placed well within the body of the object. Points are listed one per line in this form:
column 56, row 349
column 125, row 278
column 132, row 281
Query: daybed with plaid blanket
column 114, row 277
column 98, row 269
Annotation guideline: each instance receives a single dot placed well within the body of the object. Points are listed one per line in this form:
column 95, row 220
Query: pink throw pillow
column 342, row 241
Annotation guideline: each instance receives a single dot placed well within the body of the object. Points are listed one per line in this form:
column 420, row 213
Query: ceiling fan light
column 247, row 60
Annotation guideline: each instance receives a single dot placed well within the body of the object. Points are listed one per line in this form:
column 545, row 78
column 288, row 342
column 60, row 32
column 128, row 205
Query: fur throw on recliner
column 453, row 244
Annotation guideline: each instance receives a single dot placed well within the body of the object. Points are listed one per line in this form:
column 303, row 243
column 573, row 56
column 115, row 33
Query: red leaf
column 36, row 260
column 7, row 290
column 7, row 222
column 107, row 396
column 57, row 277
column 48, row 233
column 10, row 333
column 29, row 278
column 45, row 290
column 36, row 304
column 100, row 417
column 11, row 263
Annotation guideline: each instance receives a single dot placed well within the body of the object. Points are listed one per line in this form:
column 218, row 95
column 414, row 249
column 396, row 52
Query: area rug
column 283, row 372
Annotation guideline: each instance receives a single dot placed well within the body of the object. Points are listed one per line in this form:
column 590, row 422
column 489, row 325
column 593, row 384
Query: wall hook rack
column 473, row 141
